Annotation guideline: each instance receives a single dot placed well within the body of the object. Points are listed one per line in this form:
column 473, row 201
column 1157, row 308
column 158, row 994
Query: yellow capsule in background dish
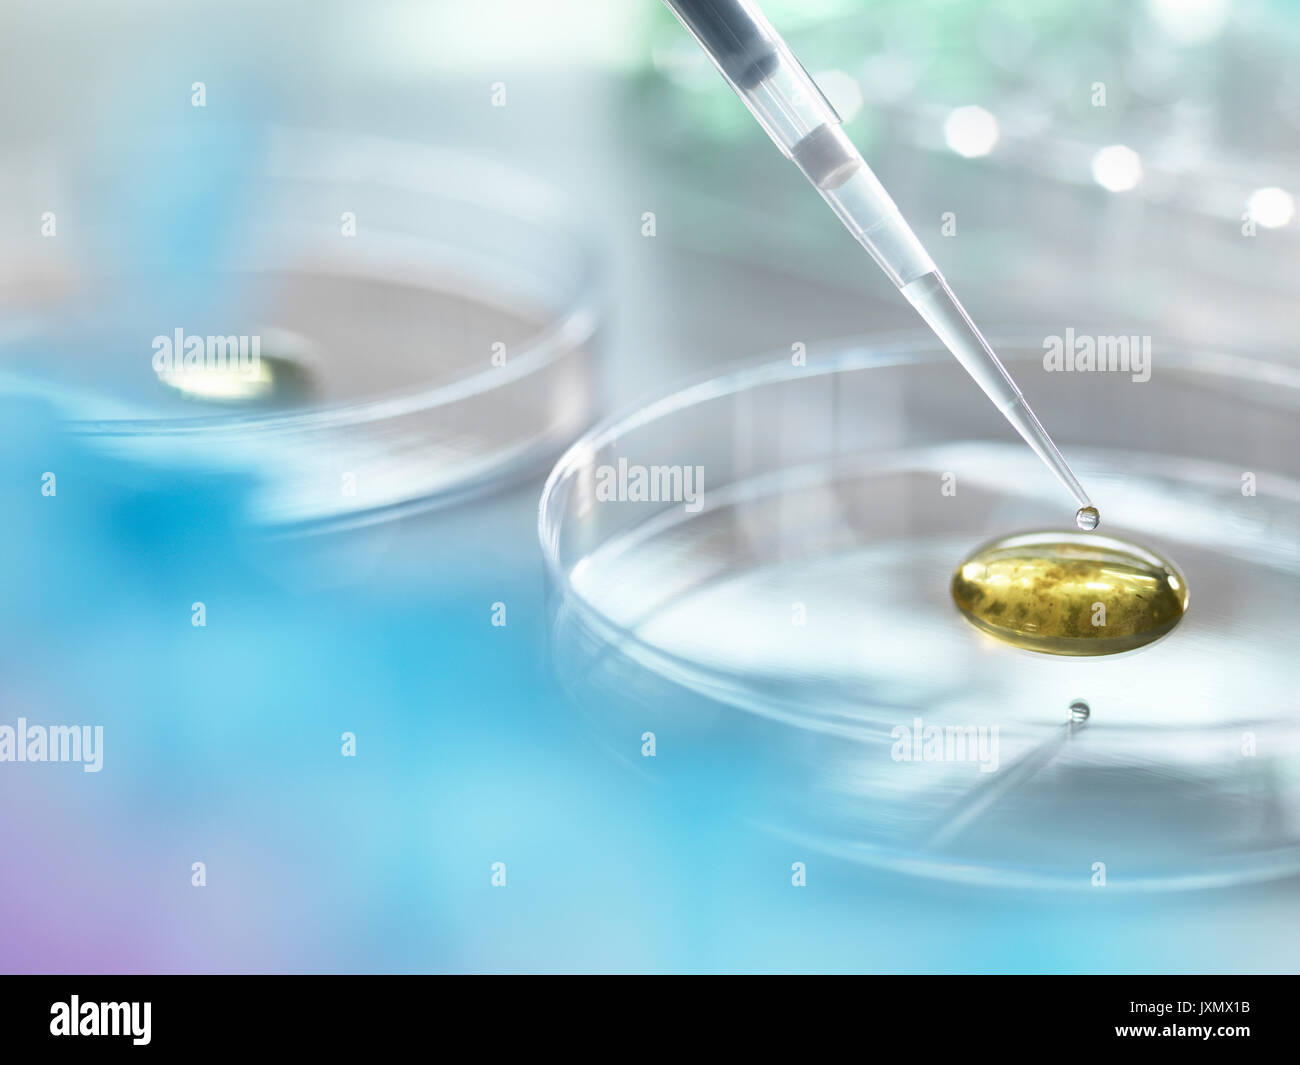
column 234, row 371
column 1069, row 593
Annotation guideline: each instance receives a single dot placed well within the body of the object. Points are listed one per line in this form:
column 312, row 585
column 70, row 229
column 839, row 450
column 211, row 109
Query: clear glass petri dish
column 422, row 320
column 776, row 613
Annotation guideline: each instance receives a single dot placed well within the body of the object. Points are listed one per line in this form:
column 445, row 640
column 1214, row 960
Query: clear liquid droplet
column 1079, row 711
column 1087, row 518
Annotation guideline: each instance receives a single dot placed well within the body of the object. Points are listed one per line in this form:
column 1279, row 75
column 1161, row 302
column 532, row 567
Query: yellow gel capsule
column 268, row 381
column 1069, row 593
column 235, row 371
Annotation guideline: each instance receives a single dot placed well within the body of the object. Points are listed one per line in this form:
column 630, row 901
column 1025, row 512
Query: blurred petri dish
column 421, row 321
column 776, row 614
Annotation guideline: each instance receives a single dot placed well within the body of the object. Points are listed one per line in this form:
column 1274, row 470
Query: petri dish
column 422, row 320
column 776, row 613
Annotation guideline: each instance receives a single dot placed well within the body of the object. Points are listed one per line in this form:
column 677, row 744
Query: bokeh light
column 842, row 90
column 1190, row 21
column 971, row 131
column 1271, row 208
column 1117, row 168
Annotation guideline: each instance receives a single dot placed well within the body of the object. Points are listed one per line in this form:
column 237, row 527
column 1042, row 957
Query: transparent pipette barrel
column 935, row 302
column 755, row 61
column 787, row 103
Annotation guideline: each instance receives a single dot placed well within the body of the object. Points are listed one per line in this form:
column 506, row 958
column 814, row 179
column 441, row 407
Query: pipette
column 756, row 62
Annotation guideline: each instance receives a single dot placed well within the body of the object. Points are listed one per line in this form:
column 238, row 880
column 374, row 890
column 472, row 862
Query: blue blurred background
column 222, row 743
